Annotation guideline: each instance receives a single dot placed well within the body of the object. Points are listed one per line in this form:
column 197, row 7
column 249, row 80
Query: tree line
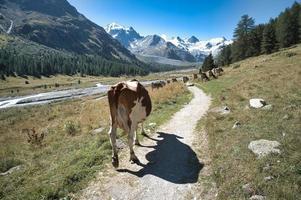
column 48, row 63
column 253, row 40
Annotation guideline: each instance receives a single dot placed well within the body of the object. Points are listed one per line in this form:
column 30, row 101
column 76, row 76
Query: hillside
column 237, row 171
column 58, row 25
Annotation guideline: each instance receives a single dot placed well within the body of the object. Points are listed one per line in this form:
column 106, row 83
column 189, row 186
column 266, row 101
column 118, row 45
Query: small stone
column 247, row 188
column 190, row 84
column 257, row 103
column 97, row 131
column 225, row 110
column 237, row 124
column 120, row 144
column 283, row 134
column 267, row 167
column 152, row 125
column 264, row 147
column 267, row 107
column 268, row 178
column 11, row 170
column 285, row 117
column 257, row 197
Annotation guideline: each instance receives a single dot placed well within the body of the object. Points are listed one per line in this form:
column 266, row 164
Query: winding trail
column 174, row 162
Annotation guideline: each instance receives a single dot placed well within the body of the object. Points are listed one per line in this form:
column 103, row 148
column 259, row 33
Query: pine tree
column 208, row 63
column 295, row 12
column 241, row 37
column 284, row 31
column 269, row 38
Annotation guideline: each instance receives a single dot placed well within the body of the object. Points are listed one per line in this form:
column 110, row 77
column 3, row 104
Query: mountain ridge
column 190, row 49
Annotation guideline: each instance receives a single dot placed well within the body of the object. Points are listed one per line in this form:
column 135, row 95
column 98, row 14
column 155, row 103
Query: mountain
column 201, row 48
column 123, row 34
column 154, row 45
column 58, row 25
column 176, row 48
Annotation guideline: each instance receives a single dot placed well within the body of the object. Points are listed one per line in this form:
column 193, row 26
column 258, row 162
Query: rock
column 97, row 131
column 257, row 103
column 152, row 125
column 190, row 84
column 267, row 107
column 225, row 110
column 11, row 170
column 283, row 134
column 286, row 117
column 237, row 124
column 264, row 147
column 268, row 178
column 248, row 189
column 266, row 168
column 257, row 197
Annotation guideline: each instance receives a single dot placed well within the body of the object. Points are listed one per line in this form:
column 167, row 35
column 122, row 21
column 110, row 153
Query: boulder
column 264, row 147
column 257, row 197
column 267, row 107
column 237, row 124
column 11, row 170
column 257, row 103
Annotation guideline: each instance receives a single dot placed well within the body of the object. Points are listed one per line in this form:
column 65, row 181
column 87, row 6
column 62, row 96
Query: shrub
column 33, row 137
column 26, row 82
column 56, row 85
column 71, row 128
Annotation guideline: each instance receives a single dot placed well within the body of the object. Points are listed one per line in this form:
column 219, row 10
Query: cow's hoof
column 115, row 162
column 134, row 159
column 137, row 143
column 143, row 133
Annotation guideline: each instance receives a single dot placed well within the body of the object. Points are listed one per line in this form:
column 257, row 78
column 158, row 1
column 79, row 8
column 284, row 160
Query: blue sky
column 202, row 18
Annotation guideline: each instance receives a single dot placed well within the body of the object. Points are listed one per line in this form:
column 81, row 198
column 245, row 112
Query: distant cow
column 195, row 76
column 130, row 104
column 204, row 76
column 174, row 80
column 211, row 74
column 158, row 84
column 185, row 79
column 167, row 81
column 218, row 71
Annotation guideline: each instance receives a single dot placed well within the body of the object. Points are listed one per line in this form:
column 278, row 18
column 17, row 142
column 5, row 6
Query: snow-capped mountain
column 154, row 45
column 125, row 35
column 200, row 49
column 191, row 49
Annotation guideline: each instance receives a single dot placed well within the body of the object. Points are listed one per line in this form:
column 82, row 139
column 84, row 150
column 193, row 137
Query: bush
column 71, row 128
column 26, row 82
column 33, row 137
column 56, row 85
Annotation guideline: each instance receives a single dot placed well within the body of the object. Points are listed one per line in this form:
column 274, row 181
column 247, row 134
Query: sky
column 204, row 19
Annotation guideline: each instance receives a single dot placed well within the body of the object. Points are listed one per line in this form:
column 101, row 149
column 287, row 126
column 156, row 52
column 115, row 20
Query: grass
column 64, row 163
column 275, row 78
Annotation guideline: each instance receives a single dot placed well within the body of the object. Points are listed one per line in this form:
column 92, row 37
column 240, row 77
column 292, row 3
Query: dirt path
column 170, row 165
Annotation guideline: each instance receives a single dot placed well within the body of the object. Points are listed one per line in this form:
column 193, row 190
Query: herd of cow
column 205, row 76
column 130, row 104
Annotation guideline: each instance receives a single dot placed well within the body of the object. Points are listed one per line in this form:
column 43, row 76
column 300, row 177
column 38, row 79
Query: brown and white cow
column 185, row 79
column 130, row 104
column 204, row 77
column 158, row 84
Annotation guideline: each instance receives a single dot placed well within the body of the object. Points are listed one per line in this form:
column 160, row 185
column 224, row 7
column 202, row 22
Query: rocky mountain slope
column 58, row 25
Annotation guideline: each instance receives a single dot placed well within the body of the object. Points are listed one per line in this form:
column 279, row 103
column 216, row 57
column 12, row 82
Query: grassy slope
column 277, row 79
column 65, row 163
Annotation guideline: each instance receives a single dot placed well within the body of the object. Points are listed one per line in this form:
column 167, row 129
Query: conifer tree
column 269, row 38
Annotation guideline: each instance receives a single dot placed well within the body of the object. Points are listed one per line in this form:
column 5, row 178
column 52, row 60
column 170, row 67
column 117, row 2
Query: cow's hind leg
column 112, row 133
column 136, row 139
column 131, row 135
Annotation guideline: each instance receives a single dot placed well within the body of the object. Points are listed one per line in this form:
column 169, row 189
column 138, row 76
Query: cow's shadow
column 170, row 160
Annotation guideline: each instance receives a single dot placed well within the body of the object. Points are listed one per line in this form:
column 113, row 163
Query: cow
column 168, row 81
column 218, row 71
column 204, row 77
column 211, row 74
column 195, row 76
column 158, row 84
column 174, row 80
column 130, row 104
column 185, row 79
